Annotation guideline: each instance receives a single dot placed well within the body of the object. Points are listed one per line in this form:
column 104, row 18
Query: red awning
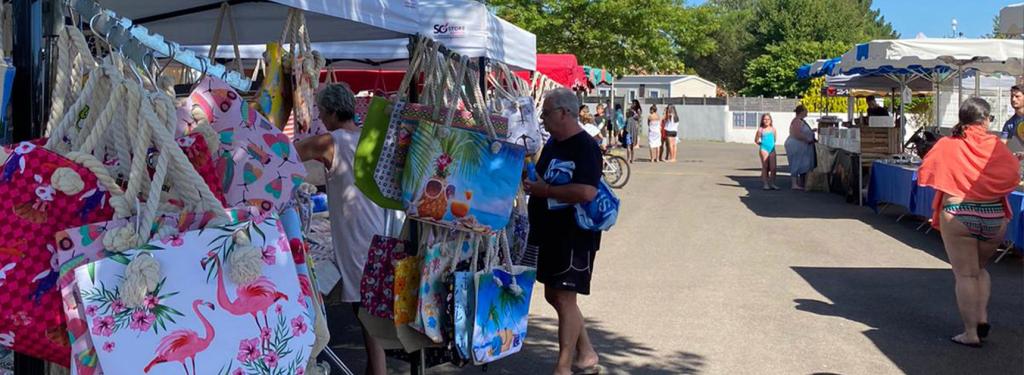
column 371, row 80
column 561, row 68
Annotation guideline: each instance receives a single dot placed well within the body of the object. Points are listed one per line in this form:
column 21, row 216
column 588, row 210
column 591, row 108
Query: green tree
column 733, row 44
column 774, row 73
column 646, row 36
column 752, row 32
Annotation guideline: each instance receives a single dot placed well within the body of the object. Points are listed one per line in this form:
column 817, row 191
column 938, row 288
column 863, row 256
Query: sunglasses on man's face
column 991, row 118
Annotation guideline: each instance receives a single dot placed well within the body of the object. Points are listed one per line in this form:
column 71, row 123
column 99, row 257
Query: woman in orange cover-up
column 972, row 172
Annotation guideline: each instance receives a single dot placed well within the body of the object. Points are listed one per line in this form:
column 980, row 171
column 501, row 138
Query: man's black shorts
column 566, row 269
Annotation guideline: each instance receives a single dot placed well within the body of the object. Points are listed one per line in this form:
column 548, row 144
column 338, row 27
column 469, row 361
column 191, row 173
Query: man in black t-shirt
column 1013, row 133
column 568, row 172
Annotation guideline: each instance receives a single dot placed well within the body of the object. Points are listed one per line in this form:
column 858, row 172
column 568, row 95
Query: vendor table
column 897, row 184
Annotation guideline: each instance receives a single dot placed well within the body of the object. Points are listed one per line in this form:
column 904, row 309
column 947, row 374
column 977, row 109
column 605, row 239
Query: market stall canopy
column 464, row 26
column 818, row 68
column 875, row 83
column 598, row 76
column 989, row 56
column 561, row 68
column 193, row 22
column 1011, row 20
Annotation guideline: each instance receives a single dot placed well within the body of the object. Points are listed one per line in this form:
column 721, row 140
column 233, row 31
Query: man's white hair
column 565, row 99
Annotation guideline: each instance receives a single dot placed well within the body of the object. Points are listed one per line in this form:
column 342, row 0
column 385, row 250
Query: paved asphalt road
column 705, row 273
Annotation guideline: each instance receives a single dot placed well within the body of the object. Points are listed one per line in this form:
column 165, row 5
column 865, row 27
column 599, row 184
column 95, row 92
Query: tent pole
column 960, row 85
column 977, row 84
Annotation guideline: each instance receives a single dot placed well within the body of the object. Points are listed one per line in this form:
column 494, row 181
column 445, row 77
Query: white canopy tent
column 989, row 56
column 1011, row 20
column 464, row 26
column 192, row 22
column 934, row 59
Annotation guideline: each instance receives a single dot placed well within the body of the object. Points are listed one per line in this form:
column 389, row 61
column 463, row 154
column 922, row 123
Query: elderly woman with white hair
column 566, row 259
column 354, row 218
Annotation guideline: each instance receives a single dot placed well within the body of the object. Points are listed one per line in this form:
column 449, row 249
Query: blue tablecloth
column 897, row 184
column 891, row 183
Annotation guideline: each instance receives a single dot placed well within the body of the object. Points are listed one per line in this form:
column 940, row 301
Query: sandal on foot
column 592, row 370
column 983, row 329
column 957, row 340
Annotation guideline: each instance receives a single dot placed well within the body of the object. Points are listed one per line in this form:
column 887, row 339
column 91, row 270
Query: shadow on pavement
column 912, row 313
column 786, row 203
column 619, row 354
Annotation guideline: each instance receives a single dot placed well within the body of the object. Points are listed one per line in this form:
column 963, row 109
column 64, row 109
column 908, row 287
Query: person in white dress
column 654, row 134
column 354, row 218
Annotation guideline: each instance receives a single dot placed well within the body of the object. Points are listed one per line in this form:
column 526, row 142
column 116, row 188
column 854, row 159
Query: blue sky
column 910, row 17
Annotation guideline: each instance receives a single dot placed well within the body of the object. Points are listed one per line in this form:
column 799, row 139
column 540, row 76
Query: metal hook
column 92, row 26
column 171, row 51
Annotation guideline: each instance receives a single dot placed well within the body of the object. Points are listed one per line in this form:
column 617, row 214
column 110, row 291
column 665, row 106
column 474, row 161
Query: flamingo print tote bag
column 83, row 245
column 40, row 194
column 196, row 318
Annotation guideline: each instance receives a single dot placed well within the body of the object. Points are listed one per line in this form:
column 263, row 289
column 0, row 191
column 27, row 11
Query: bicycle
column 615, row 170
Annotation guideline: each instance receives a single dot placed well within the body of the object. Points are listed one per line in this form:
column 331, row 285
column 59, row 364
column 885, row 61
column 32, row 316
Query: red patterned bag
column 41, row 193
column 377, row 285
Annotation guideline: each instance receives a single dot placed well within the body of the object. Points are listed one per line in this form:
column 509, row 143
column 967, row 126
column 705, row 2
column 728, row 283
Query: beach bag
column 42, row 193
column 458, row 178
column 258, row 164
column 167, row 163
column 306, row 65
column 271, row 100
column 501, row 308
column 377, row 286
column 439, row 261
column 304, row 267
column 195, row 313
column 600, row 213
column 376, row 159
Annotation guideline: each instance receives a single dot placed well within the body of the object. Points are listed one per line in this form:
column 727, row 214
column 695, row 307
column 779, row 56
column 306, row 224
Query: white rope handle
column 96, row 85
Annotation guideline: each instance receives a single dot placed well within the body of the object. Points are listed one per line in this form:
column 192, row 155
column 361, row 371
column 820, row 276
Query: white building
column 661, row 86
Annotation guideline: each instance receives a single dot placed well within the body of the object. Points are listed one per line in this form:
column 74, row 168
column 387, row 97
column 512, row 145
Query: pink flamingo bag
column 197, row 319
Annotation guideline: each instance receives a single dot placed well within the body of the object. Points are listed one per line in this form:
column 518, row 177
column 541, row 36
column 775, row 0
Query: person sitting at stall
column 874, row 109
column 354, row 218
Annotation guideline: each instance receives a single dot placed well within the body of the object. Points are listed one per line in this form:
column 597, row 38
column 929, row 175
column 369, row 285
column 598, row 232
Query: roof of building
column 668, row 78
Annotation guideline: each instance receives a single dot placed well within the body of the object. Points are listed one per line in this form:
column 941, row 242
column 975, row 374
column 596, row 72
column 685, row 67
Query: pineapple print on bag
column 434, row 201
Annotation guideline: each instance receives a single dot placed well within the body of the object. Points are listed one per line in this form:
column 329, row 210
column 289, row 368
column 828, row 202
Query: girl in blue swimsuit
column 765, row 139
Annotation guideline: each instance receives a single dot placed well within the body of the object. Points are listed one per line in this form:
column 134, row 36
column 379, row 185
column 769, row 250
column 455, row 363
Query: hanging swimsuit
column 768, row 142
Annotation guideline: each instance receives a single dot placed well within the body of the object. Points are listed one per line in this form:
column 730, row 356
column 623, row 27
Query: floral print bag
column 196, row 317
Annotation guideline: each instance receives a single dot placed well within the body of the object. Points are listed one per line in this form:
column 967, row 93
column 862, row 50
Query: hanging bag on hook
column 460, row 178
column 377, row 128
column 306, row 66
column 501, row 307
column 258, row 164
column 259, row 324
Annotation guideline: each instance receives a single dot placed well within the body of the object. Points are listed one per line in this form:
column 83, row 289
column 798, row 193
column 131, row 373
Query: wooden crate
column 879, row 141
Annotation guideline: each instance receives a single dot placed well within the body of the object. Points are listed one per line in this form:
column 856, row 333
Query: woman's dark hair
column 972, row 111
column 635, row 105
column 618, row 107
column 654, row 108
column 769, row 116
column 670, row 113
column 800, row 109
